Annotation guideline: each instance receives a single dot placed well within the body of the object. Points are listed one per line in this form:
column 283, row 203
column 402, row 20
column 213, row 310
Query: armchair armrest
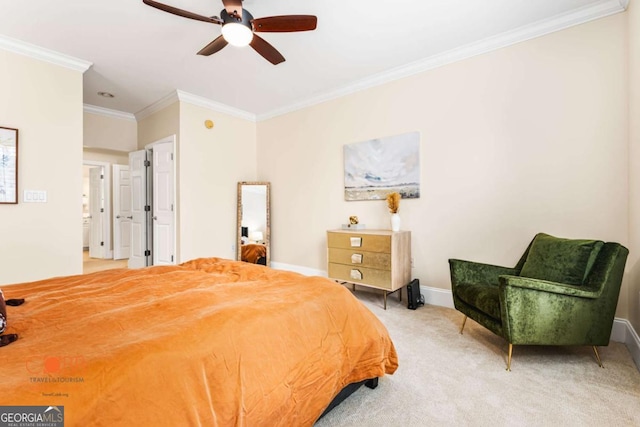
column 537, row 311
column 476, row 273
column 546, row 286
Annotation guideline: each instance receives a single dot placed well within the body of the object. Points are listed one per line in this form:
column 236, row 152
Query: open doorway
column 96, row 218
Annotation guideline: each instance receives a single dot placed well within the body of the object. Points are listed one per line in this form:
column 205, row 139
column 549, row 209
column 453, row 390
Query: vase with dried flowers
column 393, row 202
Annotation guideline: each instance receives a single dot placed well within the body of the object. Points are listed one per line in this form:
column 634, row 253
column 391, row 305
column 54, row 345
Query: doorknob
column 130, row 217
column 117, row 216
column 155, row 218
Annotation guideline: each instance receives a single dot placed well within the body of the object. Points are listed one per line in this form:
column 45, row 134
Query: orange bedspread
column 252, row 252
column 209, row 342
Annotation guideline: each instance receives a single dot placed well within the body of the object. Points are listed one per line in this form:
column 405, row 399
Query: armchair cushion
column 483, row 297
column 560, row 260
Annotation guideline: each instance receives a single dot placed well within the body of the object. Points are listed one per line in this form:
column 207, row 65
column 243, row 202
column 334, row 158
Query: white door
column 96, row 213
column 138, row 230
column 163, row 205
column 122, row 210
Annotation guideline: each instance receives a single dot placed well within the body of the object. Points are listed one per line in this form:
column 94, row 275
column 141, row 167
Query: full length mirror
column 254, row 227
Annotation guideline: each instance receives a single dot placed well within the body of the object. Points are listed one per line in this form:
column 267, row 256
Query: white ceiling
column 141, row 54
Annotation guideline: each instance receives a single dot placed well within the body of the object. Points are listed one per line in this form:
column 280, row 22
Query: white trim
column 160, row 104
column 215, row 106
column 106, row 169
column 623, row 332
column 182, row 96
column 298, row 269
column 101, row 111
column 43, row 54
column 582, row 15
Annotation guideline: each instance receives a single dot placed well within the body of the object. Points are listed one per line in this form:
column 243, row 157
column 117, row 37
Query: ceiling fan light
column 237, row 34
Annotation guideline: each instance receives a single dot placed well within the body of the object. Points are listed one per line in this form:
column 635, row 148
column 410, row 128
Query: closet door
column 138, row 231
column 163, row 205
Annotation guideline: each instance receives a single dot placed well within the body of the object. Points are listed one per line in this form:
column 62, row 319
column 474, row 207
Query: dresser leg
column 385, row 299
column 400, row 295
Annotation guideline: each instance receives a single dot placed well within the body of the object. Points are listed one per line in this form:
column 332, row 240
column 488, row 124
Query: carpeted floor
column 448, row 379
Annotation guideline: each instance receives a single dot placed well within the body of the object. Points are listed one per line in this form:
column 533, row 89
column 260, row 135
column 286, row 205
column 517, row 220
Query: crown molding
column 94, row 109
column 43, row 54
column 579, row 16
column 215, row 106
column 160, row 104
column 182, row 96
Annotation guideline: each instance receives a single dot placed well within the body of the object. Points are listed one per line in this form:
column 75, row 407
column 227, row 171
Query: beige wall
column 633, row 276
column 212, row 161
column 49, row 119
column 528, row 138
column 209, row 164
column 110, row 133
column 159, row 125
column 113, row 157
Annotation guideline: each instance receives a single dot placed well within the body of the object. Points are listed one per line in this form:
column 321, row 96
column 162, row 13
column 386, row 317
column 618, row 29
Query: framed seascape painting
column 375, row 168
column 8, row 165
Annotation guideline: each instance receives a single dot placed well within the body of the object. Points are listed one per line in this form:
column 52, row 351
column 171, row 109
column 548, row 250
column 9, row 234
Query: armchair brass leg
column 595, row 350
column 509, row 357
column 463, row 322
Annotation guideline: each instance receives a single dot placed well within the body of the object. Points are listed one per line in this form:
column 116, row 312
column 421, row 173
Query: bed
column 254, row 253
column 208, row 342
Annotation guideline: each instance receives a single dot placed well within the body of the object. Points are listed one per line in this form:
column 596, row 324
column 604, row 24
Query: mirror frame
column 267, row 239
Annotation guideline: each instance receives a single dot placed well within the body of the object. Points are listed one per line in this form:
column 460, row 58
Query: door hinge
column 147, row 253
column 101, row 243
column 171, row 156
column 147, row 208
column 101, row 209
column 171, row 258
column 147, row 163
column 101, row 176
column 172, row 207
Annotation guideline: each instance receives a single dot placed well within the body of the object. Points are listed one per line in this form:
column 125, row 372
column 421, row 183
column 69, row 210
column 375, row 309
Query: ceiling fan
column 239, row 27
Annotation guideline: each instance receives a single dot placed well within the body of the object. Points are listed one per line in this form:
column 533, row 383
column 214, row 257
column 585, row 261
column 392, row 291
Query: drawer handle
column 356, row 242
column 356, row 259
column 356, row 274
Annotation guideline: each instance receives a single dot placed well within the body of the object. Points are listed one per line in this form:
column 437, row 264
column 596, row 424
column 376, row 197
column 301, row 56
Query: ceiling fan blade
column 285, row 24
column 180, row 12
column 233, row 7
column 267, row 51
column 213, row 47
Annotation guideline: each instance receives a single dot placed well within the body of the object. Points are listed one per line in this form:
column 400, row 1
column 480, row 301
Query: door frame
column 106, row 182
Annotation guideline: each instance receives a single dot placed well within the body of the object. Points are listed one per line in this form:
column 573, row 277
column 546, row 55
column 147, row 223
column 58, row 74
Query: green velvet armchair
column 561, row 292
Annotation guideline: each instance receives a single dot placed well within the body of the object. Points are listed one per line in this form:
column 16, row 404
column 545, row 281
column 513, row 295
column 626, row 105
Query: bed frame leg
column 372, row 383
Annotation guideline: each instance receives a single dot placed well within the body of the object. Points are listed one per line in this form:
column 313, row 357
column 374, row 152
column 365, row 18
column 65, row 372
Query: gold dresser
column 378, row 259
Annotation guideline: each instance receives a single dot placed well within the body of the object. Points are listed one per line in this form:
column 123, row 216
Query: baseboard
column 622, row 330
column 298, row 269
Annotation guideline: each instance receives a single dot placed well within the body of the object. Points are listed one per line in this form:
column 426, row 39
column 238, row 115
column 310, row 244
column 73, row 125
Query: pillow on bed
column 3, row 313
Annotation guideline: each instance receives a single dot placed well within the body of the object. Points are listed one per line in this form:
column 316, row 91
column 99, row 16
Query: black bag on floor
column 415, row 298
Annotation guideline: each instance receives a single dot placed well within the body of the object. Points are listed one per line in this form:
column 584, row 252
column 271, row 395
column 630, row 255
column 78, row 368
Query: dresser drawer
column 360, row 241
column 356, row 258
column 356, row 274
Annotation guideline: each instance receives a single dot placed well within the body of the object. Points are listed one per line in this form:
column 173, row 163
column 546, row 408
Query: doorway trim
column 106, row 182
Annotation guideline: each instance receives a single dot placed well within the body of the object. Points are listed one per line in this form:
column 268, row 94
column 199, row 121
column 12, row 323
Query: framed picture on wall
column 8, row 165
column 377, row 167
